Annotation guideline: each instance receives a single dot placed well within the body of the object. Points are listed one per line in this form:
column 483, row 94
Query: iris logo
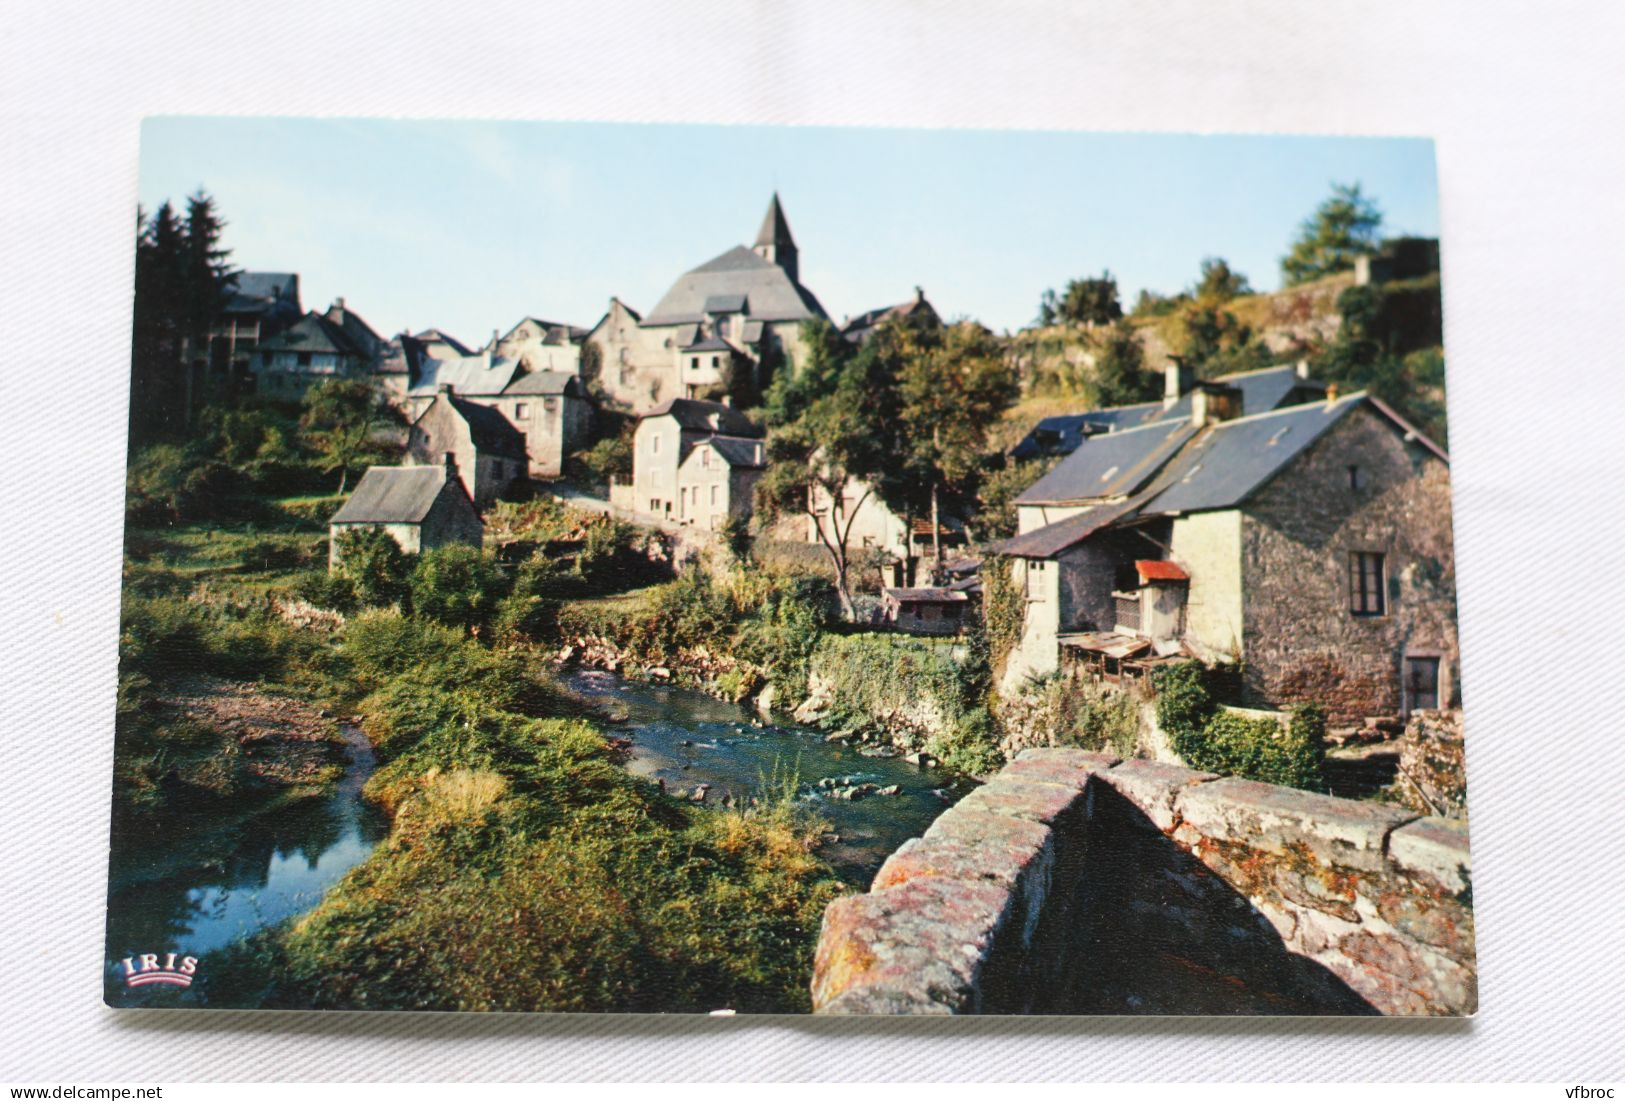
column 147, row 971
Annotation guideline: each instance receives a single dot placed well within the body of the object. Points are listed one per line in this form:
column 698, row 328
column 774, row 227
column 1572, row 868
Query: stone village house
column 717, row 482
column 490, row 452
column 261, row 304
column 736, row 312
column 336, row 343
column 1310, row 544
column 548, row 409
column 667, row 487
column 421, row 507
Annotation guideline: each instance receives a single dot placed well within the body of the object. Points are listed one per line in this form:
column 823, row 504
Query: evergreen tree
column 1342, row 228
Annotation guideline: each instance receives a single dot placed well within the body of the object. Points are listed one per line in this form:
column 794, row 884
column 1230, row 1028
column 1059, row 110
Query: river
column 199, row 881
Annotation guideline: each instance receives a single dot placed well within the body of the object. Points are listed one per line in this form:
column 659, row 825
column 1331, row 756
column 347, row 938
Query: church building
column 721, row 329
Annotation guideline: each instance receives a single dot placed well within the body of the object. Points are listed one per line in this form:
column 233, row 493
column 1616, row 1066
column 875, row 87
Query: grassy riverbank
column 525, row 868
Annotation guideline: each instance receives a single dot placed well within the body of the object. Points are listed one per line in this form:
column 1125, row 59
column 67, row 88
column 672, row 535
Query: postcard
column 697, row 569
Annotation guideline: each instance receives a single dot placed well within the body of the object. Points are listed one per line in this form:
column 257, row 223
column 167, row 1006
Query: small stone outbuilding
column 421, row 507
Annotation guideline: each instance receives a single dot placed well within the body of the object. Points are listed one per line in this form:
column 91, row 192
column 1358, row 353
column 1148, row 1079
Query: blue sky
column 468, row 226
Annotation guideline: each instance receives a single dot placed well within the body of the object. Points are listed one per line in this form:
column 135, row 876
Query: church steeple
column 774, row 243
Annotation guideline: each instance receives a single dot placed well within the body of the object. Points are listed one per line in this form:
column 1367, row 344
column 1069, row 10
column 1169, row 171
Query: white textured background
column 1525, row 101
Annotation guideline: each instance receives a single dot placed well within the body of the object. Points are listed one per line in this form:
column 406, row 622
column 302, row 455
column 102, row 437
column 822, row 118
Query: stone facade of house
column 663, row 440
column 489, row 452
column 1310, row 546
column 1361, row 489
column 717, row 481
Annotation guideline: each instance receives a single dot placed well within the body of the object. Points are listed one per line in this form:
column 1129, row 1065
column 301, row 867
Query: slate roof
column 1112, row 465
column 1051, row 539
column 353, row 326
column 481, row 374
column 740, row 452
column 725, row 303
column 775, row 228
column 261, row 292
column 1217, row 468
column 859, row 326
column 313, row 333
column 1225, row 464
column 491, row 432
column 1261, row 391
column 771, row 293
column 707, row 416
column 440, row 336
column 392, row 495
column 544, row 382
column 552, row 332
column 709, row 344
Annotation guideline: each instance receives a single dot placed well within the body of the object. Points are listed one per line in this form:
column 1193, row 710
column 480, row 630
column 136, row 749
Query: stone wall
column 1075, row 883
column 1301, row 642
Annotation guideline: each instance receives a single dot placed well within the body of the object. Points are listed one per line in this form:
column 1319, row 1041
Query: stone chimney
column 919, row 294
column 1331, row 391
column 1212, row 403
column 1178, row 379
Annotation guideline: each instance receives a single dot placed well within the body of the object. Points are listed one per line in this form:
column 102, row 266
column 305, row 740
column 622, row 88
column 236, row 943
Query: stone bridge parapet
column 1076, row 883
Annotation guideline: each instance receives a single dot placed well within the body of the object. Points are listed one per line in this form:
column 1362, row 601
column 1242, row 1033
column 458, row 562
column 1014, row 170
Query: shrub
column 332, row 591
column 1213, row 739
column 457, row 585
column 383, row 644
column 378, row 570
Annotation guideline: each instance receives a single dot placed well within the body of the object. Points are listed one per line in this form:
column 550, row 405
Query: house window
column 716, row 361
column 722, row 326
column 520, row 410
column 1366, row 594
column 1035, row 580
column 654, row 445
column 304, row 359
column 705, row 456
column 694, row 363
column 1354, row 477
column 1421, row 684
column 716, row 495
column 550, row 404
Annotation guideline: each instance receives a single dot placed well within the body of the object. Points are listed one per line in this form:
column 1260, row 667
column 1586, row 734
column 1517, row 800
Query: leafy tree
column 1091, row 301
column 340, row 416
column 1152, row 304
column 996, row 496
column 1049, row 309
column 1219, row 283
column 953, row 388
column 826, row 354
column 1345, row 226
column 1120, row 374
column 1215, row 342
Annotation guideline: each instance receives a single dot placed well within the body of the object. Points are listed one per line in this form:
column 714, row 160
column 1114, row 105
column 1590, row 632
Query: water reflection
column 190, row 882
